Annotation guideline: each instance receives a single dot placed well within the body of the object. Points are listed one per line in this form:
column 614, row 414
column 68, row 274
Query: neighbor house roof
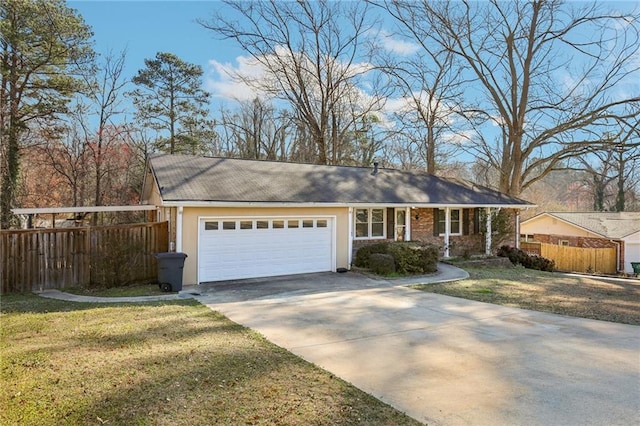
column 607, row 224
column 184, row 179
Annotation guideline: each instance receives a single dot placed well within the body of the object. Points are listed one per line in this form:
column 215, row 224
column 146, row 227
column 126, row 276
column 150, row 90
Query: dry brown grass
column 585, row 296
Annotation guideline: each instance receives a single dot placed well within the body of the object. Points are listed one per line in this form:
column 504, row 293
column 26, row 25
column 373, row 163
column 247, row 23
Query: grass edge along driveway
column 174, row 363
column 590, row 297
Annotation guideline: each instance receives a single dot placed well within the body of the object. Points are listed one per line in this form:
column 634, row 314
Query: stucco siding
column 151, row 193
column 552, row 226
column 191, row 216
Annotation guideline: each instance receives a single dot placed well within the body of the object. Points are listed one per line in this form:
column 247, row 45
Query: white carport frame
column 82, row 209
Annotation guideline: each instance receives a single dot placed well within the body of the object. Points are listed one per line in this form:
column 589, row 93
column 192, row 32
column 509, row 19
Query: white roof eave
column 85, row 209
column 255, row 204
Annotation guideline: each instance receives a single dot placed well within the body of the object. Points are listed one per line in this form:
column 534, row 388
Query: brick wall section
column 422, row 224
column 422, row 221
column 585, row 242
column 510, row 238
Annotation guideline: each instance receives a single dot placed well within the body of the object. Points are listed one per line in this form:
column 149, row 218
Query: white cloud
column 497, row 120
column 395, row 45
column 222, row 78
column 461, row 137
column 409, row 105
column 242, row 80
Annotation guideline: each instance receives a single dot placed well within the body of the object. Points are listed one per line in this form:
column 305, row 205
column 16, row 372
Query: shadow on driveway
column 445, row 360
column 307, row 284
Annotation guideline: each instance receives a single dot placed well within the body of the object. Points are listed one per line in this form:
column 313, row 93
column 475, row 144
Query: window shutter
column 391, row 222
column 476, row 220
column 436, row 214
column 465, row 221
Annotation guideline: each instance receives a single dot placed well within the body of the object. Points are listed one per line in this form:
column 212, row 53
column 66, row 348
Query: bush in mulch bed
column 408, row 257
column 382, row 264
column 520, row 257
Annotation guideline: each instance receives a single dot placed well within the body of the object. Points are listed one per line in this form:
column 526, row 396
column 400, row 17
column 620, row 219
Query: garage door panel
column 264, row 250
column 632, row 254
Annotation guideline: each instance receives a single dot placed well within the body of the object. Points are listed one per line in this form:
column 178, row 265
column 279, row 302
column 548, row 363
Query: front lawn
column 174, row 363
column 585, row 297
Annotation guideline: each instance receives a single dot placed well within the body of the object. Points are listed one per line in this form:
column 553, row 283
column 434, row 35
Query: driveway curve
column 445, row 360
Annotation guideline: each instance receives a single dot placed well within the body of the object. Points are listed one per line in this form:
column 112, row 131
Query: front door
column 401, row 224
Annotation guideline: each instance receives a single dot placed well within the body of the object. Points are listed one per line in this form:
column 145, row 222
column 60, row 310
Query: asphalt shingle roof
column 608, row 224
column 183, row 178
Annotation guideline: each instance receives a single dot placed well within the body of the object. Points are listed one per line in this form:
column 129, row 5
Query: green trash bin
column 636, row 267
column 170, row 268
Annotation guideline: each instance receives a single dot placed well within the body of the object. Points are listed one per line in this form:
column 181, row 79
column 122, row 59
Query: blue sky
column 145, row 28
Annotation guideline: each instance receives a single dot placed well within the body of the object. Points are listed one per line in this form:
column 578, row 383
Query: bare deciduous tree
column 71, row 160
column 309, row 52
column 105, row 103
column 428, row 79
column 546, row 75
column 257, row 131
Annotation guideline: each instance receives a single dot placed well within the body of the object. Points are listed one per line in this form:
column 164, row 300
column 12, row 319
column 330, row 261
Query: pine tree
column 170, row 100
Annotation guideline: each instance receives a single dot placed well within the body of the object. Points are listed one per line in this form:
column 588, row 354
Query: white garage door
column 235, row 248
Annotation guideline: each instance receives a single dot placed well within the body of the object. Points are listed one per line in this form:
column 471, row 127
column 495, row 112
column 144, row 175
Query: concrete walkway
column 259, row 287
column 442, row 360
column 60, row 295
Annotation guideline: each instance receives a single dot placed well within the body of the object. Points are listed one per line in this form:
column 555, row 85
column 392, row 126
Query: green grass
column 177, row 363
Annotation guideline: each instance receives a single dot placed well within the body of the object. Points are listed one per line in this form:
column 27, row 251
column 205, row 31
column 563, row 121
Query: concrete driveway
column 444, row 360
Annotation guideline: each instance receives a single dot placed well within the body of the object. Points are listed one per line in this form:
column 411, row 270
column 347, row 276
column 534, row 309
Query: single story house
column 588, row 229
column 250, row 218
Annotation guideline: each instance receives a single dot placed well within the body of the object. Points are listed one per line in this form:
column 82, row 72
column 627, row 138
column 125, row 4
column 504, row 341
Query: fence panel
column 579, row 259
column 531, row 248
column 34, row 260
column 121, row 254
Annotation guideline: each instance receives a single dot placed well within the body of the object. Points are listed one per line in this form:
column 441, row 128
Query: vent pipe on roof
column 375, row 168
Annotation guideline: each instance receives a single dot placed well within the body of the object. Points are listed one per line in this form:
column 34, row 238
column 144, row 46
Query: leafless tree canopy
column 309, row 52
column 551, row 78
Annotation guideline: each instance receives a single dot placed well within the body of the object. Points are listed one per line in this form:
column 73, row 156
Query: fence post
column 86, row 258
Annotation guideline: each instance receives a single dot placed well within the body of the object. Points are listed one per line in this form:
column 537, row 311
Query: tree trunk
column 12, row 150
column 620, row 199
column 10, row 175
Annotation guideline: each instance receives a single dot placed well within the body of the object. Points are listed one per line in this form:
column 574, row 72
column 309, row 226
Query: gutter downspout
column 350, row 245
column 179, row 229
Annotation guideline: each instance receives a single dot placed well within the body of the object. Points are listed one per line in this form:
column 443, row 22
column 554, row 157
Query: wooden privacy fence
column 39, row 259
column 576, row 259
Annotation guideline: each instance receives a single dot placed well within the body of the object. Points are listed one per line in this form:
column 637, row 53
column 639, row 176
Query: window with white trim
column 369, row 223
column 456, row 222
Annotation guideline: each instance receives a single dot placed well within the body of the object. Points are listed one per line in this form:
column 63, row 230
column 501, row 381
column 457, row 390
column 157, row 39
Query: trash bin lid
column 170, row 255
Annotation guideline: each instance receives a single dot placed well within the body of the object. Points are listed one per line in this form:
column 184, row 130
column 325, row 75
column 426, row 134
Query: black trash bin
column 170, row 266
